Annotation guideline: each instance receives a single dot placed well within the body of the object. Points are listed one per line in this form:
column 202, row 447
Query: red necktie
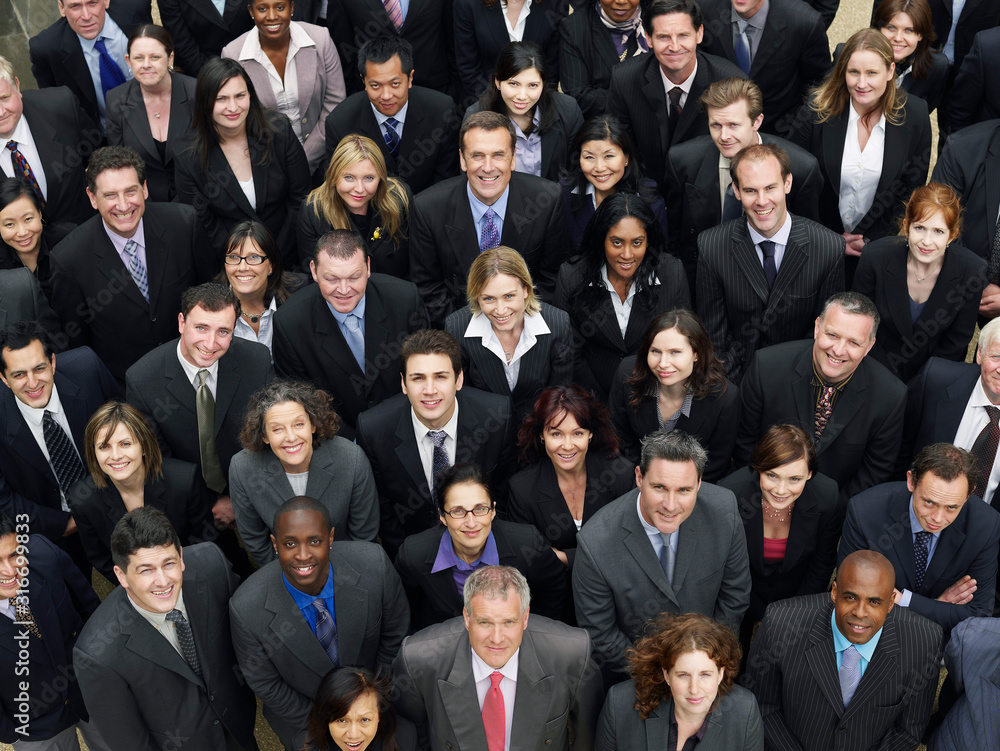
column 22, row 168
column 494, row 716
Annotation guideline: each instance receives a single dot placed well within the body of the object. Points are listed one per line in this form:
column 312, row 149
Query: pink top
column 774, row 550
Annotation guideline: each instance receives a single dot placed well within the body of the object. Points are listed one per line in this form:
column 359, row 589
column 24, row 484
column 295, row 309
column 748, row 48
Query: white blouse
column 860, row 170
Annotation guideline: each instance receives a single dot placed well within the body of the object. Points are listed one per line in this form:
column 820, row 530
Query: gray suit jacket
column 619, row 585
column 340, row 478
column 280, row 655
column 558, row 688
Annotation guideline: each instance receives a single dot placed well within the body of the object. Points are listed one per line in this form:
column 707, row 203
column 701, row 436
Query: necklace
column 773, row 514
column 252, row 319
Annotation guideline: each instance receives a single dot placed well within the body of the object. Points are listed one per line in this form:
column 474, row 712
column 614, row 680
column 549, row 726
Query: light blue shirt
column 120, row 242
column 529, row 148
column 359, row 311
column 305, row 602
column 840, row 644
column 116, row 43
column 479, row 211
column 932, row 542
column 399, row 117
column 957, row 6
column 656, row 536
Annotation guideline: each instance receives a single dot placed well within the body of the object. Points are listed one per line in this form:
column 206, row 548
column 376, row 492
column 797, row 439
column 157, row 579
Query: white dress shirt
column 623, row 310
column 481, row 328
column 481, row 672
column 191, row 371
column 974, row 419
column 26, row 145
column 685, row 85
column 425, row 446
column 33, row 417
column 266, row 325
column 515, row 32
column 860, row 170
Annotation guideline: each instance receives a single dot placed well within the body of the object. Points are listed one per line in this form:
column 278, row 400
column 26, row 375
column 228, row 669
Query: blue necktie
column 355, row 339
column 326, row 631
column 767, row 249
column 743, row 47
column 850, row 674
column 667, row 558
column 920, row 552
column 391, row 136
column 136, row 268
column 439, row 461
column 111, row 74
column 489, row 237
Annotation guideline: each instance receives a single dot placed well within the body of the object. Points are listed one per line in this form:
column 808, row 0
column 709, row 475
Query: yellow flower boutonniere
column 377, row 233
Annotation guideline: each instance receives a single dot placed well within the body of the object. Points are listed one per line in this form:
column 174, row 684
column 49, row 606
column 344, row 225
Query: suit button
column 447, row 745
column 153, row 319
column 303, row 119
column 215, row 722
column 211, row 697
column 548, row 741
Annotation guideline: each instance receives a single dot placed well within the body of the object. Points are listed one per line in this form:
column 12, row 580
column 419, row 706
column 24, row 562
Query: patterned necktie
column 770, row 269
column 494, row 714
column 824, row 410
column 62, row 454
column 391, row 136
column 984, row 451
column 24, row 616
column 395, row 10
column 355, row 339
column 186, row 639
column 667, row 558
column 743, row 47
column 993, row 272
column 211, row 468
column 674, row 110
column 731, row 206
column 489, row 237
column 920, row 556
column 439, row 462
column 850, row 674
column 137, row 268
column 111, row 73
column 22, row 168
column 326, row 631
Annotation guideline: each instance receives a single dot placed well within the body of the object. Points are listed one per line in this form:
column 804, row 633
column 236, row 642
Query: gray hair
column 855, row 303
column 675, row 446
column 495, row 582
column 7, row 71
column 989, row 334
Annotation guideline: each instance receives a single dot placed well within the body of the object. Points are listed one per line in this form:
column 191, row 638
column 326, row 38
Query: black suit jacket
column 434, row 598
column 445, row 240
column 740, row 313
column 97, row 300
column 976, row 16
column 580, row 208
column 975, row 95
column 428, row 149
column 793, row 54
column 128, row 125
column 485, row 437
column 27, row 483
column 199, row 31
column 309, row 345
column 22, row 299
column 61, row 600
column 858, row 448
column 637, row 98
column 587, row 59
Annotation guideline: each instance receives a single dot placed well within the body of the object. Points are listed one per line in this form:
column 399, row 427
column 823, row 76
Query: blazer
column 158, row 387
column 320, row 86
column 976, row 15
column 792, row 670
column 27, row 483
column 619, row 585
column 968, row 545
column 280, row 185
column 714, row 420
column 21, row 299
column 309, row 345
column 128, row 125
column 826, row 8
column 548, row 363
column 279, row 653
column 339, row 477
column 601, row 345
column 975, row 94
column 199, row 31
column 811, row 550
column 636, row 93
column 180, row 494
column 428, row 148
column 580, row 208
column 445, row 241
column 948, row 319
column 733, row 724
column 858, row 448
column 141, row 692
column 61, row 602
column 385, row 432
column 792, row 57
column 740, row 313
column 99, row 303
column 558, row 688
column 434, row 597
column 932, row 87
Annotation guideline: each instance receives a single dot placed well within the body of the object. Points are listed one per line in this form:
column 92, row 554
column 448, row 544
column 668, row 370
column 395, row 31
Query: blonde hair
column 493, row 262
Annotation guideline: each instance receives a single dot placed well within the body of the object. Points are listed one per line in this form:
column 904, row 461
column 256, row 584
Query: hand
column 561, row 556
column 70, row 527
column 959, row 593
column 989, row 305
column 223, row 512
column 896, row 596
column 854, row 244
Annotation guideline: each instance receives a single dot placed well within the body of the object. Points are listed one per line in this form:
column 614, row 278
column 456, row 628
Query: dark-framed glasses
column 460, row 513
column 233, row 259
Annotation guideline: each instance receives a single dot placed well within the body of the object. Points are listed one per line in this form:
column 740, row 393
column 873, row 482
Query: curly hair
column 337, row 692
column 316, row 403
column 551, row 408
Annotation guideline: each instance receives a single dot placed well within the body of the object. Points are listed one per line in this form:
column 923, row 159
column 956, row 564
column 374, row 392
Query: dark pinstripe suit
column 587, row 59
column 739, row 312
column 792, row 670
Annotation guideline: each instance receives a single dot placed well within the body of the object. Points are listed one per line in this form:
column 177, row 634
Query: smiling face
column 731, row 128
column 488, row 161
column 762, row 192
column 602, row 164
column 521, row 93
column 671, row 358
column 303, row 547
column 502, row 301
column 624, row 248
column 153, row 578
column 85, row 17
column 867, row 77
column 675, row 43
column 694, row 683
column 496, row 628
column 841, row 341
column 11, row 107
column 356, row 729
column 272, row 18
column 468, row 535
column 248, row 281
column 862, row 598
column 121, row 200
column 289, row 432
column 387, row 88
column 619, row 10
column 356, row 186
column 149, row 61
column 928, row 238
column 119, row 454
column 901, row 34
column 937, row 502
column 11, row 564
column 29, row 374
column 342, row 281
column 232, row 104
column 430, row 384
column 206, row 335
column 21, row 225
column 781, row 486
column 566, row 443
column 987, row 358
column 668, row 491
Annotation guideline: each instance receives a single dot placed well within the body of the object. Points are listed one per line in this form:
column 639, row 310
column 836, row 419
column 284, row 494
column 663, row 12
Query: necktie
column 489, row 237
column 62, row 454
column 675, row 109
column 731, row 206
column 743, row 47
column 984, row 451
column 850, row 674
column 355, row 339
column 395, row 10
column 920, row 556
column 186, row 639
column 137, row 268
column 211, row 469
column 993, row 272
column 494, row 716
column 111, row 74
column 24, row 616
column 391, row 136
column 21, row 167
column 326, row 631
column 667, row 558
column 770, row 269
column 824, row 410
column 439, row 462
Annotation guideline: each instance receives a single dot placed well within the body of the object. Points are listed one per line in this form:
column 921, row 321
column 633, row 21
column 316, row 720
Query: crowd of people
column 501, row 374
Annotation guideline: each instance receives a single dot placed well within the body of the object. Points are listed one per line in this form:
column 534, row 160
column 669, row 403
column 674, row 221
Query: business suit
column 948, row 319
column 714, row 420
column 320, row 82
column 21, row 299
column 445, row 240
column 199, row 31
column 434, row 597
column 793, row 54
column 309, row 345
column 485, row 436
column 179, row 493
column 128, row 125
column 637, row 98
column 733, row 724
column 339, row 477
column 975, row 95
column 931, row 88
column 792, row 670
column 859, row 445
column 976, row 15
column 87, row 270
column 279, row 653
column 580, row 208
column 61, row 601
column 428, row 148
column 142, row 693
column 558, row 688
column 741, row 313
column 619, row 585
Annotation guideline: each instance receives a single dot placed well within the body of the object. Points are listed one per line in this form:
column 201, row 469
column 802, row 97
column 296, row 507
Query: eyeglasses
column 461, row 513
column 232, row 259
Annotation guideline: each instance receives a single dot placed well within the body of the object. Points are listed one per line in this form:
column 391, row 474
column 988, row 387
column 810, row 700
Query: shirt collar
column 399, row 117
column 840, row 642
column 34, row 415
column 21, row 134
column 159, row 620
column 778, row 238
column 853, row 117
column 359, row 311
column 120, row 242
column 106, row 32
column 535, row 120
column 915, row 525
column 479, row 208
column 191, row 371
column 757, row 20
column 979, row 398
column 684, row 85
column 303, row 600
column 481, row 328
column 631, row 288
column 447, row 557
column 481, row 671
column 297, row 39
column 450, row 428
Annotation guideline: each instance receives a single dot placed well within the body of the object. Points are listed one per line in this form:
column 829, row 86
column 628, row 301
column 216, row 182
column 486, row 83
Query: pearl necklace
column 774, row 514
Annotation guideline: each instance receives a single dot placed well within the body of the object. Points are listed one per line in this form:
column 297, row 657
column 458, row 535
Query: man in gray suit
column 500, row 679
column 674, row 544
column 320, row 605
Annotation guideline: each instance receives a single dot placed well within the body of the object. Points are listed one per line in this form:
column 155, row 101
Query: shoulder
column 56, row 100
column 520, row 538
column 484, row 401
column 78, row 245
column 887, row 385
column 878, row 501
column 456, row 323
column 351, row 107
column 430, row 644
column 204, row 560
column 52, row 39
column 153, row 362
column 634, row 69
column 299, row 302
column 717, row 501
column 565, row 105
column 170, row 213
column 250, row 594
column 555, row 642
column 556, row 318
column 366, row 556
column 920, row 638
column 385, row 415
column 249, row 354
column 916, row 110
column 82, row 361
column 232, row 49
column 532, row 185
column 606, row 523
column 739, row 702
column 785, row 352
column 391, row 289
column 719, row 68
column 718, row 238
column 822, row 238
column 795, row 614
column 442, row 194
column 433, row 101
column 691, row 152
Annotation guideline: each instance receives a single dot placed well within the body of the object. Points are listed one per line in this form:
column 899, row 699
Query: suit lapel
column 207, row 9
column 288, row 626
column 463, row 240
column 746, row 257
column 656, row 97
column 833, row 147
column 334, row 344
column 882, row 671
column 489, row 365
column 351, row 603
column 20, row 440
column 110, row 264
column 277, row 480
column 441, row 584
column 802, row 391
column 949, row 544
column 803, row 528
column 601, row 40
column 531, row 700
column 75, row 64
column 821, row 657
column 689, row 115
column 227, row 385
column 516, row 224
column 138, row 122
column 144, row 641
column 897, row 295
column 223, row 176
column 458, row 696
column 992, row 189
column 637, row 544
column 771, row 40
column 305, row 73
column 796, row 253
column 75, row 403
column 156, row 256
column 178, row 385
column 321, row 474
column 894, row 150
column 657, row 726
column 376, row 334
column 407, row 453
